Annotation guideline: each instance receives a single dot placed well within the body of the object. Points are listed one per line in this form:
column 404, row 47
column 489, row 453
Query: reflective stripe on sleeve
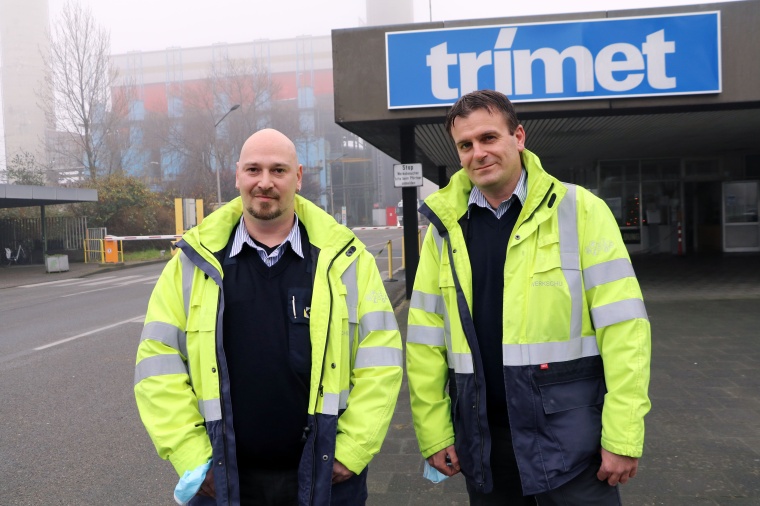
column 165, row 333
column 378, row 356
column 376, row 320
column 188, row 270
column 606, row 272
column 330, row 403
column 352, row 301
column 427, row 302
column 343, row 399
column 617, row 312
column 462, row 363
column 210, row 409
column 159, row 365
column 420, row 334
column 544, row 353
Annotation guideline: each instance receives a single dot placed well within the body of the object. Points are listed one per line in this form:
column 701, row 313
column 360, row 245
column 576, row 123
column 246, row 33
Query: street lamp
column 218, row 185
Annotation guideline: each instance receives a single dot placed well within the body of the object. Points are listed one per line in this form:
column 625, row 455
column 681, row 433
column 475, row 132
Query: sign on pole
column 407, row 174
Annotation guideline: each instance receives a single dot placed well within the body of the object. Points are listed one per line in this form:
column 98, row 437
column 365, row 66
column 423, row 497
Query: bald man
column 270, row 360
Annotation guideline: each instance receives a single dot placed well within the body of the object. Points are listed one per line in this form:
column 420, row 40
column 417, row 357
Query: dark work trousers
column 583, row 490
column 268, row 487
column 280, row 488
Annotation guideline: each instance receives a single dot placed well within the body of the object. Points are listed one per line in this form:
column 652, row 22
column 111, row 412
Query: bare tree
column 89, row 118
column 202, row 147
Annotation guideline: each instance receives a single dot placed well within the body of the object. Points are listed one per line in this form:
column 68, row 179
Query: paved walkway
column 703, row 433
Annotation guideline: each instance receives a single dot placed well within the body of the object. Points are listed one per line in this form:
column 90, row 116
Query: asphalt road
column 70, row 432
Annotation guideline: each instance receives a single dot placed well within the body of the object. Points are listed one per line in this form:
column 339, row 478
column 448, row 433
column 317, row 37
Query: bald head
column 269, row 140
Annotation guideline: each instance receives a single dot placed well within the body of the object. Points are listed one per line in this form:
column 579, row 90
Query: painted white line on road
column 115, row 285
column 102, row 281
column 142, row 279
column 61, row 282
column 136, row 319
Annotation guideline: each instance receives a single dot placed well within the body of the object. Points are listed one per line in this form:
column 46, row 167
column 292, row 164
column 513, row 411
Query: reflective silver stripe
column 570, row 258
column 376, row 320
column 607, row 272
column 427, row 302
column 330, row 404
column 352, row 301
column 421, row 334
column 343, row 401
column 163, row 332
column 378, row 356
column 462, row 363
column 159, row 365
column 545, row 353
column 617, row 312
column 211, row 409
column 568, row 230
column 438, row 239
column 188, row 270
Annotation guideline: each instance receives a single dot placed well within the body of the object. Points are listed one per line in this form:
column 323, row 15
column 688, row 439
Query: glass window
column 740, row 200
column 660, row 201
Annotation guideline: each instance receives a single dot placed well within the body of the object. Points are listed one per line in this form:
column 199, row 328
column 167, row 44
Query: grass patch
column 147, row 254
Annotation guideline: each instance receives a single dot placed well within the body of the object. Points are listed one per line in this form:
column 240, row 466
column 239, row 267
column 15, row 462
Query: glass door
column 741, row 229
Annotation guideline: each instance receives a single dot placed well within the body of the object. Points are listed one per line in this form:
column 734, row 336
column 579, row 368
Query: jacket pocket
column 572, row 412
column 299, row 339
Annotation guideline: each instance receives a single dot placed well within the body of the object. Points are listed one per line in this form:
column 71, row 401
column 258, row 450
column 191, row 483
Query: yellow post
column 390, row 261
column 403, row 254
column 198, row 211
column 178, row 222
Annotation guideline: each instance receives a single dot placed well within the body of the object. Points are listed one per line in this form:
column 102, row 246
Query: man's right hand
column 439, row 461
column 207, row 487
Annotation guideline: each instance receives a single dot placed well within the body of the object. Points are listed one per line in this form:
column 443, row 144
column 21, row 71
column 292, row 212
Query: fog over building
column 23, row 40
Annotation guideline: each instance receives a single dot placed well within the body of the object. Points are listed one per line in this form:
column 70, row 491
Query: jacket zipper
column 320, row 390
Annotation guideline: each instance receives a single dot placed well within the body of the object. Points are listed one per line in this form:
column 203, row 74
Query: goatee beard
column 265, row 214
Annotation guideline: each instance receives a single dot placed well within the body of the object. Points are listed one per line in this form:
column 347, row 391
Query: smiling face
column 268, row 176
column 489, row 152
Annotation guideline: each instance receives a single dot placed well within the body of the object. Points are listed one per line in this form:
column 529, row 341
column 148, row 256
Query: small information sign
column 407, row 174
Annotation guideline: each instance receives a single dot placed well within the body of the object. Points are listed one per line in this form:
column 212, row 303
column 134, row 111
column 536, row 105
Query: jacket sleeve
column 622, row 328
column 165, row 399
column 426, row 360
column 376, row 373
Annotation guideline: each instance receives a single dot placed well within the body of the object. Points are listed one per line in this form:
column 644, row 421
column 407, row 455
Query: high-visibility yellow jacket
column 576, row 340
column 181, row 378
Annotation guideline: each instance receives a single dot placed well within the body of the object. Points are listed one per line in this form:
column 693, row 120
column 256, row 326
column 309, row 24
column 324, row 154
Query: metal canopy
column 33, row 196
column 561, row 142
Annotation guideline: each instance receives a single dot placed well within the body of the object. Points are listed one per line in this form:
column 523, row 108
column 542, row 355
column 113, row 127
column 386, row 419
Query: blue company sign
column 575, row 60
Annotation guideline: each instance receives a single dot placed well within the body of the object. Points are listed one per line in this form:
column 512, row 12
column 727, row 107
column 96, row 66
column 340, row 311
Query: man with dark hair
column 526, row 304
column 270, row 360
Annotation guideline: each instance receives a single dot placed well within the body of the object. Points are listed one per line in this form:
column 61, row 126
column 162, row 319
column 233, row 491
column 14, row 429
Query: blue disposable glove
column 433, row 474
column 190, row 483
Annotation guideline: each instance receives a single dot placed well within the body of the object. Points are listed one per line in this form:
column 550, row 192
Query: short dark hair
column 492, row 101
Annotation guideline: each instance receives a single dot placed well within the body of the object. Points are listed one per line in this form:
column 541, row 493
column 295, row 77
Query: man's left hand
column 340, row 473
column 615, row 468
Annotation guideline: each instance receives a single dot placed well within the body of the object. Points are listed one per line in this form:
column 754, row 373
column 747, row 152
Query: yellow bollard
column 390, row 261
column 403, row 254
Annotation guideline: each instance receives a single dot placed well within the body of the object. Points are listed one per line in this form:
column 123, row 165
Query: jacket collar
column 214, row 231
column 449, row 204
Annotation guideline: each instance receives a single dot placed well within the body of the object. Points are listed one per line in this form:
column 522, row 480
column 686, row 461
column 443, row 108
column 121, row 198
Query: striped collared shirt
column 243, row 237
column 521, row 192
